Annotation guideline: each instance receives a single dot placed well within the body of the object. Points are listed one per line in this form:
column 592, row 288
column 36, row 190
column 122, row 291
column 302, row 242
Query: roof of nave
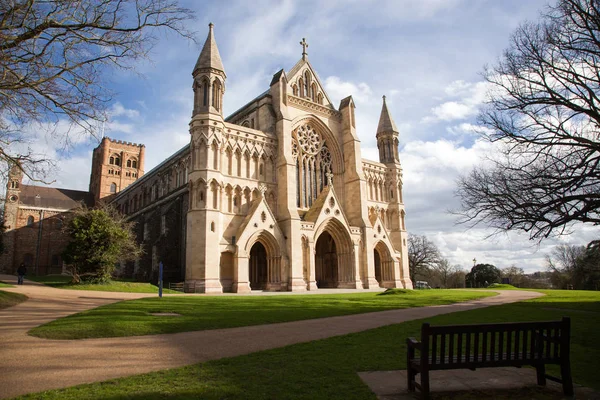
column 209, row 56
column 148, row 175
column 242, row 108
column 47, row 197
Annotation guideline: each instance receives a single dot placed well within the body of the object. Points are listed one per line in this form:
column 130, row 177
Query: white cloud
column 117, row 110
column 337, row 89
column 470, row 97
column 468, row 129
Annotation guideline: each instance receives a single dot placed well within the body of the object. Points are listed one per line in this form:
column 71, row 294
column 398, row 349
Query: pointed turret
column 209, row 78
column 387, row 137
column 209, row 56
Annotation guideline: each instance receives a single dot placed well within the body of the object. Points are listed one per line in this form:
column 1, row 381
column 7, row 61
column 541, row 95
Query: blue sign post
column 160, row 278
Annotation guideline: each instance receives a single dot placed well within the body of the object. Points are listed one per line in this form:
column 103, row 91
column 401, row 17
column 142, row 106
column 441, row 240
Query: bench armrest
column 413, row 343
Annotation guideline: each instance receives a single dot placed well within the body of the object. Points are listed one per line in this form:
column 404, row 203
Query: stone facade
column 274, row 197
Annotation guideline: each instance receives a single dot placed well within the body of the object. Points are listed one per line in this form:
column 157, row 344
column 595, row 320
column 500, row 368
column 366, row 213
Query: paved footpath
column 29, row 364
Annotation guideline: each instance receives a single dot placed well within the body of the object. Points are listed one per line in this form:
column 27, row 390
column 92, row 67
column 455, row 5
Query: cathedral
column 274, row 197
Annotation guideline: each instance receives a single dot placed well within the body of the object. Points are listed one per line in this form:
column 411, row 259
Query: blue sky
column 425, row 55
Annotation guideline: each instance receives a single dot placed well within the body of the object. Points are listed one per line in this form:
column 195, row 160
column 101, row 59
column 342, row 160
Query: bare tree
column 515, row 275
column 55, row 56
column 543, row 111
column 423, row 254
column 442, row 272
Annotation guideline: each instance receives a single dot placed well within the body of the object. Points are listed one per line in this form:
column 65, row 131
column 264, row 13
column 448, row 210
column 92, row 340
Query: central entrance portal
column 258, row 267
column 326, row 262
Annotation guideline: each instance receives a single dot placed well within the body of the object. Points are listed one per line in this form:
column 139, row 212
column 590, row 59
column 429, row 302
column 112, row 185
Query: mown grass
column 64, row 282
column 327, row 369
column 502, row 286
column 2, row 284
column 131, row 318
column 9, row 299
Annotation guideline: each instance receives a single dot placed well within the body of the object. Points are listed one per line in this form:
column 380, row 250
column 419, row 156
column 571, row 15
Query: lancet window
column 313, row 164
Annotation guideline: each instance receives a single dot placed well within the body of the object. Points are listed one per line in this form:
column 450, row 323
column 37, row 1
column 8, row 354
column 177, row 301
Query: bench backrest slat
column 451, row 348
column 459, row 349
column 468, row 349
column 500, row 345
column 557, row 334
column 476, row 347
column 443, row 349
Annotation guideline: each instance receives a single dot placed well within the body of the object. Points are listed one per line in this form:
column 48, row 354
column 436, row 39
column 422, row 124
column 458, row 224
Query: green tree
column 482, row 275
column 99, row 239
column 576, row 267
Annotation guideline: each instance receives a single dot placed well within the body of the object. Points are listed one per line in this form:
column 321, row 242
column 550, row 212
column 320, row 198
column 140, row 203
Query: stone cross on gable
column 304, row 46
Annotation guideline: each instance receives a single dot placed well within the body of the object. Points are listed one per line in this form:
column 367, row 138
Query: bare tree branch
column 54, row 60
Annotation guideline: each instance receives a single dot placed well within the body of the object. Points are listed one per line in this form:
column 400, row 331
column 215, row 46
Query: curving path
column 30, row 364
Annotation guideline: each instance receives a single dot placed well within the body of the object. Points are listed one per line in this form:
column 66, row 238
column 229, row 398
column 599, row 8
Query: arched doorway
column 384, row 265
column 326, row 262
column 258, row 267
column 377, row 259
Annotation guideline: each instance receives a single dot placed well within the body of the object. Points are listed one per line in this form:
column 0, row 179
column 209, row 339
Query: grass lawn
column 132, row 317
column 64, row 282
column 9, row 299
column 2, row 284
column 326, row 369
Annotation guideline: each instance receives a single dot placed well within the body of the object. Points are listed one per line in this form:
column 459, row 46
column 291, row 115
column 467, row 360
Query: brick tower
column 115, row 165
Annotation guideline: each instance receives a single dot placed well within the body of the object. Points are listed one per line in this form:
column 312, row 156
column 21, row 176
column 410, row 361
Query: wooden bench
column 515, row 344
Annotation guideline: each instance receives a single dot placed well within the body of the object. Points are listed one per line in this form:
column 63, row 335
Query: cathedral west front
column 274, row 197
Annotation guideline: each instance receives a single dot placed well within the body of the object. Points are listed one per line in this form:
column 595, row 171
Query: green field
column 9, row 299
column 327, row 369
column 2, row 284
column 132, row 317
column 64, row 282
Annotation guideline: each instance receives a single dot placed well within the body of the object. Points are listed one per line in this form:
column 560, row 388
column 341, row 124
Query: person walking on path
column 21, row 271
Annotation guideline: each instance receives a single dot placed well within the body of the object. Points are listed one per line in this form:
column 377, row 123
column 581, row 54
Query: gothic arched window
column 307, row 84
column 113, row 188
column 313, row 164
column 30, row 220
column 205, row 92
column 216, row 95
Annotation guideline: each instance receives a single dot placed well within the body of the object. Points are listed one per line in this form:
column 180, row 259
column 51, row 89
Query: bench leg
column 425, row 385
column 541, row 374
column 567, row 379
column 410, row 379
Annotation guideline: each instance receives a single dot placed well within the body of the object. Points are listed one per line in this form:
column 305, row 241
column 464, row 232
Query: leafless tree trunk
column 543, row 111
column 55, row 56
